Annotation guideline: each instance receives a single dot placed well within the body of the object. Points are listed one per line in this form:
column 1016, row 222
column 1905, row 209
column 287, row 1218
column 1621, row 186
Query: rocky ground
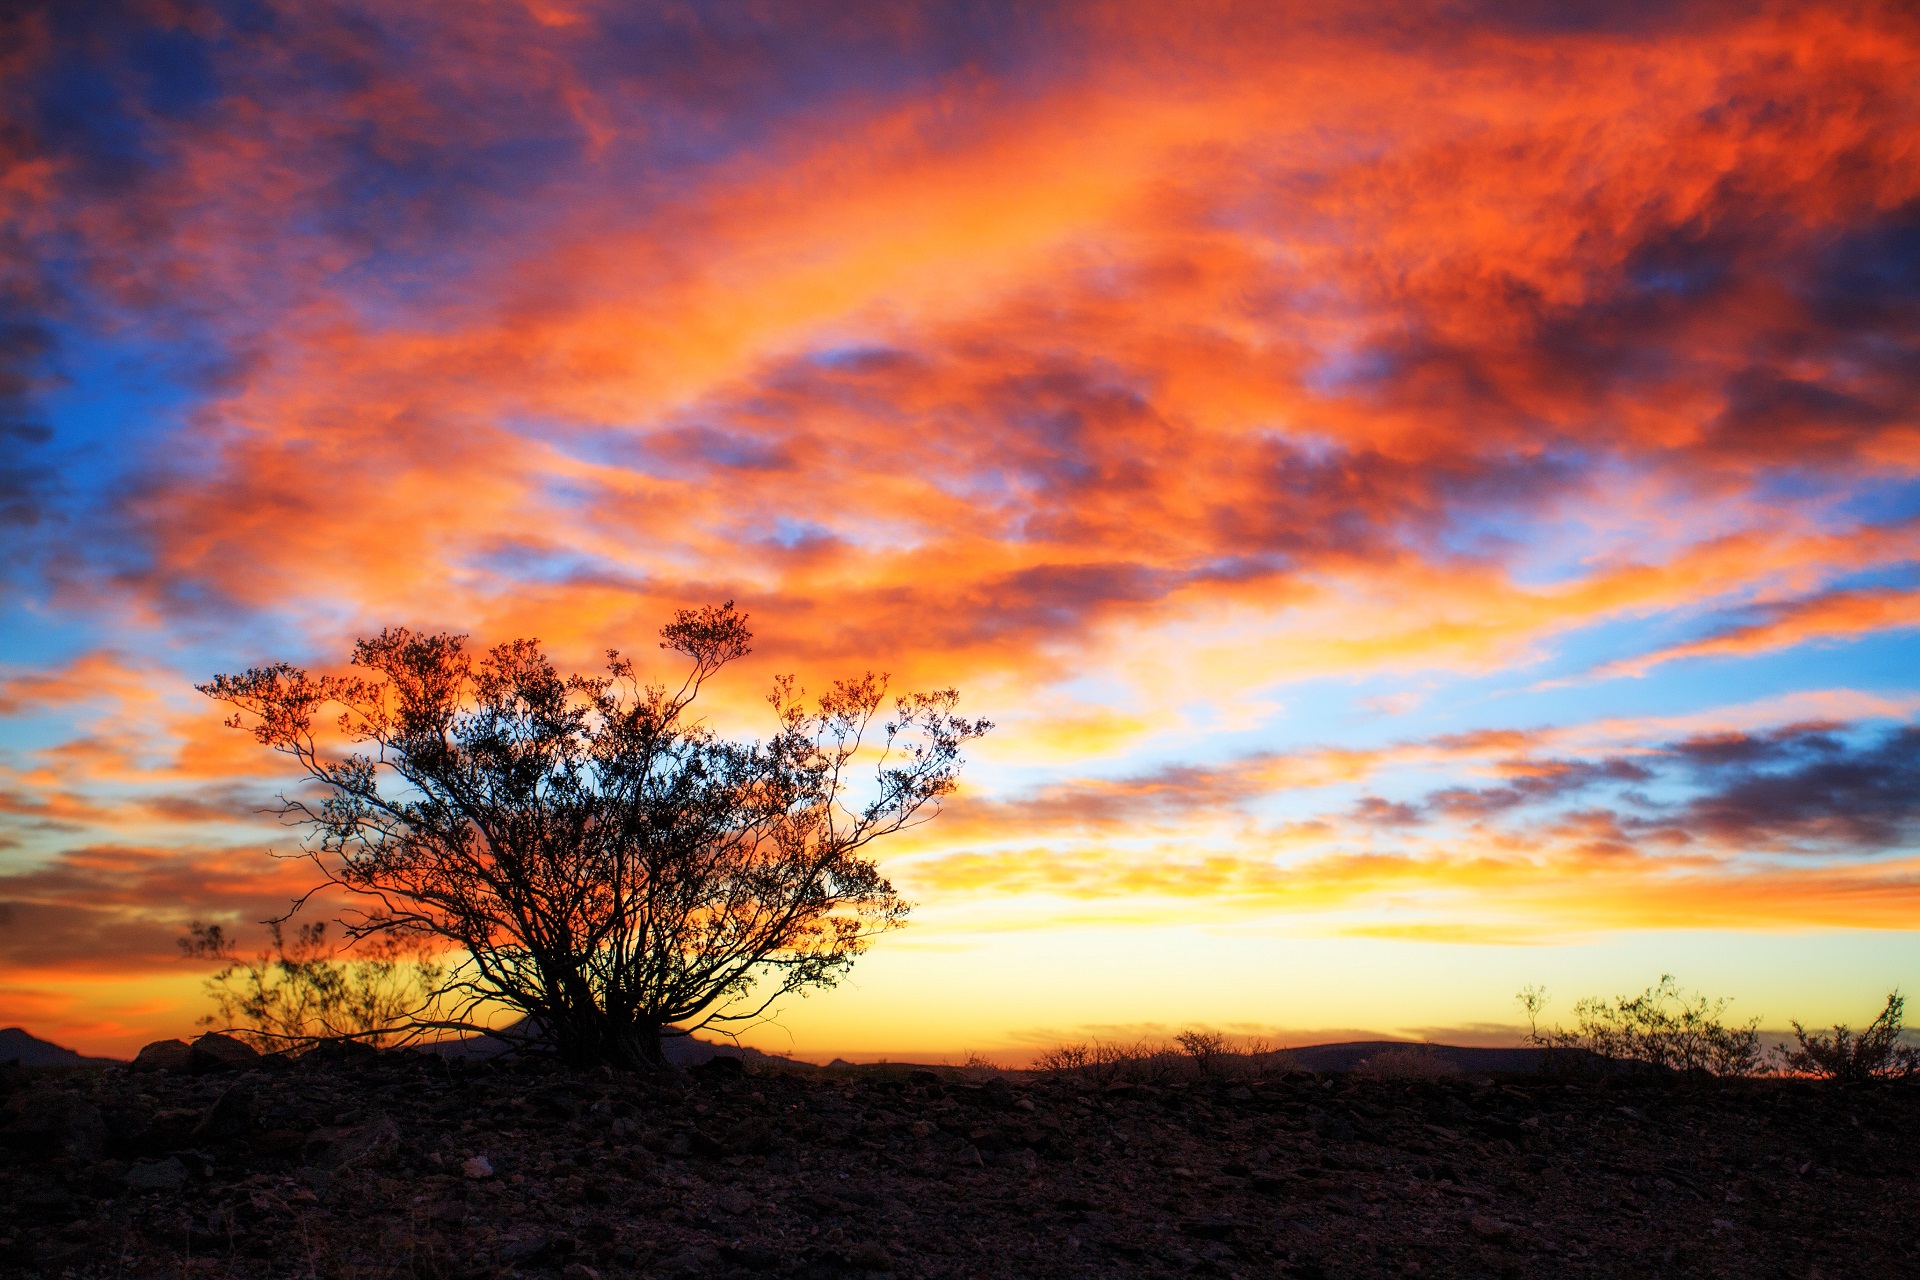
column 364, row 1165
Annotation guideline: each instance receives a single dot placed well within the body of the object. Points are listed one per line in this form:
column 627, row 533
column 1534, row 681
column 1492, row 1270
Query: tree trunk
column 641, row 1049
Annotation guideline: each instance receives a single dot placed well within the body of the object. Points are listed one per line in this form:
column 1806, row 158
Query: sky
column 1429, row 494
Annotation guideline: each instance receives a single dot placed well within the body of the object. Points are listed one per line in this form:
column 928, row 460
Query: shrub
column 1204, row 1048
column 1660, row 1029
column 297, row 993
column 1873, row 1054
column 1066, row 1057
column 1194, row 1054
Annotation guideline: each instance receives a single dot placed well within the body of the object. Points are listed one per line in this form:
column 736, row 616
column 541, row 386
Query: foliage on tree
column 297, row 992
column 596, row 858
column 1660, row 1029
column 1875, row 1053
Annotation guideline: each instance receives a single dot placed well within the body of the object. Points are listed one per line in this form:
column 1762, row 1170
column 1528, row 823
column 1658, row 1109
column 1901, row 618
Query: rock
column 751, row 1137
column 216, row 1052
column 228, row 1118
column 694, row 1260
column 340, row 1149
column 47, row 1122
column 157, row 1175
column 1020, row 1158
column 579, row 1271
column 734, row 1201
column 1490, row 1228
column 527, row 1247
column 870, row 1256
column 478, row 1168
column 343, row 1051
column 164, row 1055
column 1209, row 1228
column 718, row 1068
column 751, row 1256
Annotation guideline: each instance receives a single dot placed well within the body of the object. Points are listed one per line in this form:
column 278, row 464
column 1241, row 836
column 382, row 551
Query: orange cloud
column 1830, row 615
column 1147, row 371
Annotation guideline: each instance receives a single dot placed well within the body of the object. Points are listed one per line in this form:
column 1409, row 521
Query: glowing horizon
column 1430, row 503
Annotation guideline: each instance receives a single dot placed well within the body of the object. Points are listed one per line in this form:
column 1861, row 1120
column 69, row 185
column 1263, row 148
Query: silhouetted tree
column 602, row 862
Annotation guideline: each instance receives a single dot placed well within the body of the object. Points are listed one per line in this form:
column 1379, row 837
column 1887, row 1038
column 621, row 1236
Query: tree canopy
column 592, row 854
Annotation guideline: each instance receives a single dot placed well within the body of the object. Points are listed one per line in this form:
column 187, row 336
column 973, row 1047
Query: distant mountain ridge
column 17, row 1045
column 1349, row 1055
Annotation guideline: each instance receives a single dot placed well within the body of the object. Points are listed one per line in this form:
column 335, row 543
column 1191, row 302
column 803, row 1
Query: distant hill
column 16, row 1045
column 1347, row 1056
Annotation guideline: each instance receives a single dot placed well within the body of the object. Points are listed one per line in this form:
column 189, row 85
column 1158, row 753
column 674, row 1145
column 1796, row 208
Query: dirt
column 403, row 1165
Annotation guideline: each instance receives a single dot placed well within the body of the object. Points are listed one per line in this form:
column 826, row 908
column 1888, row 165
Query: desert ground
column 363, row 1164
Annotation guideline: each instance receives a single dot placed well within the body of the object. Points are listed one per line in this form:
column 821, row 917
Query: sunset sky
column 1429, row 493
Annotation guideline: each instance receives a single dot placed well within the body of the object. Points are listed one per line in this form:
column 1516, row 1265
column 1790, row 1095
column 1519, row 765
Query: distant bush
column 1193, row 1054
column 1873, row 1054
column 1407, row 1062
column 1203, row 1048
column 297, row 993
column 1660, row 1029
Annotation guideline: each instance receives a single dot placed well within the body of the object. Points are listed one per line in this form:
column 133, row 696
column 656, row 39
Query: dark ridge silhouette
column 23, row 1049
column 1351, row 1054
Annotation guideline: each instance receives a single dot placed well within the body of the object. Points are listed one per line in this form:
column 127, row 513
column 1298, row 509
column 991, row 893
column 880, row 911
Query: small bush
column 1873, row 1054
column 1194, row 1054
column 1407, row 1062
column 1660, row 1029
column 1066, row 1057
column 1204, row 1048
column 296, row 994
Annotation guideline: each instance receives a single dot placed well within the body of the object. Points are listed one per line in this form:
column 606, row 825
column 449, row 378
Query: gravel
column 403, row 1165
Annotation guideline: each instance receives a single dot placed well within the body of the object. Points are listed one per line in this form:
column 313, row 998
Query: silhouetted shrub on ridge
column 296, row 993
column 1874, row 1053
column 1658, row 1030
column 1195, row 1054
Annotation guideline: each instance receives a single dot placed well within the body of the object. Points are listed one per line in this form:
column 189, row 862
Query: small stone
column 478, row 1168
column 579, row 1271
column 734, row 1201
column 1490, row 1228
column 157, row 1175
